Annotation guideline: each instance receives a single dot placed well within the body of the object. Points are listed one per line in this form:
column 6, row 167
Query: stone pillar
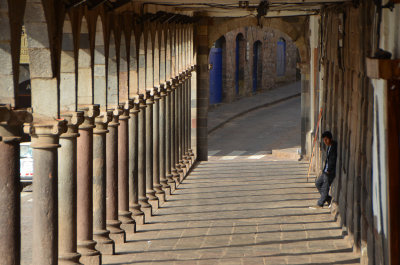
column 150, row 192
column 86, row 244
column 67, row 203
column 169, row 137
column 180, row 164
column 203, row 88
column 10, row 128
column 125, row 216
column 113, row 224
column 156, row 148
column 190, row 115
column 163, row 141
column 143, row 200
column 174, row 133
column 186, row 157
column 45, row 141
column 100, row 233
column 134, row 206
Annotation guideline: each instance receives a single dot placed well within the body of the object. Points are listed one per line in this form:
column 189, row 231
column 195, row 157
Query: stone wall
column 347, row 103
column 268, row 78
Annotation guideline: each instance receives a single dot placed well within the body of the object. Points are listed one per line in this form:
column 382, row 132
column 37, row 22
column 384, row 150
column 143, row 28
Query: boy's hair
column 327, row 134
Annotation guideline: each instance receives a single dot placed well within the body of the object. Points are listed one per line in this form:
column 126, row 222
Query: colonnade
column 110, row 124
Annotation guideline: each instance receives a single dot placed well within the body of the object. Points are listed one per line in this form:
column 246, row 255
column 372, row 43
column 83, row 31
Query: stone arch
column 168, row 58
column 149, row 62
column 99, row 73
column 67, row 84
column 163, row 73
column 44, row 84
column 156, row 61
column 85, row 85
column 142, row 65
column 293, row 27
column 133, row 67
column 123, row 80
column 112, row 73
column 174, row 71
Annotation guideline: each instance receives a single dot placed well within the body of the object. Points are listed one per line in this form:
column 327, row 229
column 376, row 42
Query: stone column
column 67, row 203
column 186, row 155
column 150, row 192
column 174, row 132
column 10, row 130
column 180, row 163
column 143, row 200
column 86, row 244
column 156, row 148
column 134, row 206
column 45, row 141
column 190, row 115
column 169, row 137
column 125, row 216
column 162, row 131
column 100, row 233
column 113, row 224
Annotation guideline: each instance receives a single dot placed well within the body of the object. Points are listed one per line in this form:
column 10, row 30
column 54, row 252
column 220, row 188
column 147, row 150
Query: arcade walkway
column 247, row 212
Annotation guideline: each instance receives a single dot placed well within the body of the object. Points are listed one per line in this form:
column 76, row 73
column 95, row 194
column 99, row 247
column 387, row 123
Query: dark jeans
column 323, row 183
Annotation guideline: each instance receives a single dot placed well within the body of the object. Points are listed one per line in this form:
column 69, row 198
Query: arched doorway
column 257, row 66
column 240, row 61
column 216, row 73
column 281, row 57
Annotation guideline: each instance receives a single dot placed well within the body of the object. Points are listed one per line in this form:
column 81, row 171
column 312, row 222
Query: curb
column 250, row 110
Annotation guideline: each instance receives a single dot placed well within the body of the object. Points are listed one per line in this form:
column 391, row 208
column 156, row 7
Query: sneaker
column 315, row 207
column 329, row 201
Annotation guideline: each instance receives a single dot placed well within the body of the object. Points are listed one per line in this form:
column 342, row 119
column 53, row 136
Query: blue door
column 216, row 76
column 281, row 57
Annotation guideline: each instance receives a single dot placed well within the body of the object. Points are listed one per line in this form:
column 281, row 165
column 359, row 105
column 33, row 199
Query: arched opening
column 257, row 66
column 133, row 67
column 281, row 57
column 112, row 74
column 142, row 66
column 156, row 61
column 85, row 85
column 162, row 58
column 123, row 71
column 217, row 71
column 240, row 62
column 99, row 73
column 67, row 84
column 149, row 63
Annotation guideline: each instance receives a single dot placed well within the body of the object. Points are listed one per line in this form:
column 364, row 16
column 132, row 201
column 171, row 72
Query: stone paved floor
column 239, row 212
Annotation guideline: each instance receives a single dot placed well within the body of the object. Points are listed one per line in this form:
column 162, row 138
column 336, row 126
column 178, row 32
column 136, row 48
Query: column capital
column 163, row 91
column 168, row 87
column 116, row 112
column 74, row 119
column 102, row 121
column 90, row 113
column 141, row 102
column 126, row 107
column 11, row 121
column 149, row 98
column 175, row 83
column 135, row 108
column 45, row 133
column 156, row 94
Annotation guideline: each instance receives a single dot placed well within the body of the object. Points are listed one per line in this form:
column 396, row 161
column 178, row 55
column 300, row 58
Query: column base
column 69, row 259
column 168, row 192
column 128, row 224
column 144, row 203
column 151, row 194
column 164, row 184
column 159, row 190
column 161, row 199
column 171, row 183
column 116, row 233
column 104, row 244
column 175, row 176
column 139, row 219
column 154, row 205
column 147, row 213
column 89, row 255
